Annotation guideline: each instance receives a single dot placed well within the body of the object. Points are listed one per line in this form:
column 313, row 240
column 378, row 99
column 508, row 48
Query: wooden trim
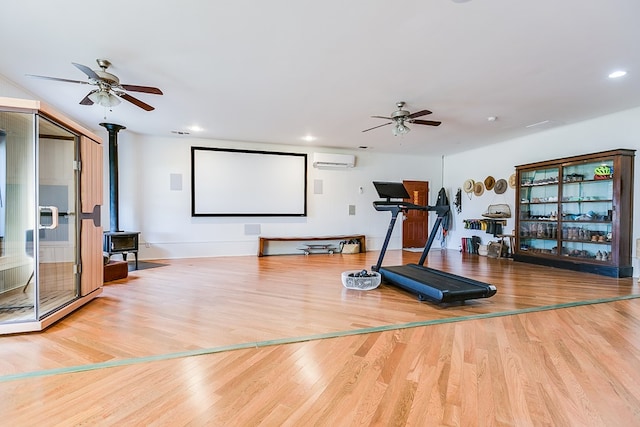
column 46, row 110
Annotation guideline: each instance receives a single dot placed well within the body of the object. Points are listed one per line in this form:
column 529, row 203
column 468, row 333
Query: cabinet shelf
column 588, row 201
column 585, row 221
column 606, row 242
column 586, row 181
column 575, row 213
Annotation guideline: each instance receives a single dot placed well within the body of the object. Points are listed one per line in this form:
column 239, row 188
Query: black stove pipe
column 113, row 175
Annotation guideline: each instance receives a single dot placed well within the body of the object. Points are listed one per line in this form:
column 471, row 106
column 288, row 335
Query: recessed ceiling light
column 195, row 128
column 309, row 138
column 618, row 73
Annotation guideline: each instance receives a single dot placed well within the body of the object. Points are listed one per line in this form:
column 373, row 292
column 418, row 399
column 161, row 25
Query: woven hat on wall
column 512, row 180
column 478, row 189
column 501, row 186
column 489, row 182
column 468, row 186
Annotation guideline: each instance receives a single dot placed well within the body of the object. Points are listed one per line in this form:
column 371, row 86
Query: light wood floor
column 273, row 341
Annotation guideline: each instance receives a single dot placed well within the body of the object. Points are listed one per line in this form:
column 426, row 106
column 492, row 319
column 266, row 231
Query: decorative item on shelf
column 573, row 177
column 501, row 186
column 602, row 172
column 478, row 189
column 498, row 211
column 489, row 182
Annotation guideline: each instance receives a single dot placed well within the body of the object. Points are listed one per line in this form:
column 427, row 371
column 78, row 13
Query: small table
column 512, row 244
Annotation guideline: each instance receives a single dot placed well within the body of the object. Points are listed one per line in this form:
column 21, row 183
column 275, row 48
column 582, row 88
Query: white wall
column 11, row 90
column 163, row 216
column 620, row 130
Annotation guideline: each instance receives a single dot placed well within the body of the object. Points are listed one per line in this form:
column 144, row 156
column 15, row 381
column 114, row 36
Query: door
column 415, row 225
column 56, row 217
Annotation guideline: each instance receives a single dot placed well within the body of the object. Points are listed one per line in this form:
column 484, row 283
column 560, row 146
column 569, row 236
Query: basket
column 351, row 248
column 351, row 280
column 498, row 211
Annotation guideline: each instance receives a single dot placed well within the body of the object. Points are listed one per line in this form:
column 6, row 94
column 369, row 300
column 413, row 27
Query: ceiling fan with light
column 108, row 89
column 400, row 118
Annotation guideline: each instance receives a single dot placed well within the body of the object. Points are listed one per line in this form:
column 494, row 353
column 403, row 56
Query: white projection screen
column 227, row 182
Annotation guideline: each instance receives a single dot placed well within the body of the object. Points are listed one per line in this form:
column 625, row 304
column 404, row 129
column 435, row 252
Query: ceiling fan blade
column 382, row 117
column 419, row 114
column 376, row 127
column 145, row 89
column 135, row 101
column 426, row 122
column 88, row 71
column 86, row 100
column 58, row 79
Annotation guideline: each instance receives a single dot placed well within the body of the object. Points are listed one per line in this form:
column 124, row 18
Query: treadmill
column 427, row 283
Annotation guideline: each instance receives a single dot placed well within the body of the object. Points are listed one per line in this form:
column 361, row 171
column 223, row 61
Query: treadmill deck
column 435, row 285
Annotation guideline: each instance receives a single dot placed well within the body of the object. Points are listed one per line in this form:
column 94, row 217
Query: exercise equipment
column 427, row 283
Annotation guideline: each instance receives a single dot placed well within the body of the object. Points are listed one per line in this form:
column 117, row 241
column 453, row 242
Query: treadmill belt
column 435, row 285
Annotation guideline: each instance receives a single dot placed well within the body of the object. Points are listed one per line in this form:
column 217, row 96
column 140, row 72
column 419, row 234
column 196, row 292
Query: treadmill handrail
column 395, row 208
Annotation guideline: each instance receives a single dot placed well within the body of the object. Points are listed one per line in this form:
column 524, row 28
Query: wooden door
column 91, row 230
column 415, row 227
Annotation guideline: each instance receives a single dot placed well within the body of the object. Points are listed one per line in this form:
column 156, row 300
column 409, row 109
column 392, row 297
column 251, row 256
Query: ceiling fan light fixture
column 104, row 98
column 400, row 129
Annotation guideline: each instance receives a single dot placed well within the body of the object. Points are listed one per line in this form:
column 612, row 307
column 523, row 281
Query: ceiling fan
column 400, row 117
column 108, row 90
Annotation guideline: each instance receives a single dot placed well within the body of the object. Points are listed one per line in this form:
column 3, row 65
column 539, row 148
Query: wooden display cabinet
column 576, row 213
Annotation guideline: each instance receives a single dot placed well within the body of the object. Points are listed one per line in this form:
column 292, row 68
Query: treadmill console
column 391, row 190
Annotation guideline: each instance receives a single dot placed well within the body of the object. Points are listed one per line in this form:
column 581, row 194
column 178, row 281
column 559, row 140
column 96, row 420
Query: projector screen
column 226, row 182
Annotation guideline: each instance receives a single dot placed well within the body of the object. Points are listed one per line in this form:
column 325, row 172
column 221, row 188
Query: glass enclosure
column 38, row 217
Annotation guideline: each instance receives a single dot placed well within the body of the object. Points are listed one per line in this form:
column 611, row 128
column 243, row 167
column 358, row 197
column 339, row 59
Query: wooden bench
column 264, row 240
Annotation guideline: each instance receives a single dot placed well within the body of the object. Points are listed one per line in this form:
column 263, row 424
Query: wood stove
column 121, row 242
column 117, row 241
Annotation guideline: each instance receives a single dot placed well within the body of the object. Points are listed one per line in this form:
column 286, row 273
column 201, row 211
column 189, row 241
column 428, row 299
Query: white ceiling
column 275, row 71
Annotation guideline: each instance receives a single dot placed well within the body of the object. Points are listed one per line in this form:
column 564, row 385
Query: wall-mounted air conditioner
column 327, row 160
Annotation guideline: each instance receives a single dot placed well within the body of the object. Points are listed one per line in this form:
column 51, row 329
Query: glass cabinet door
column 38, row 221
column 17, row 207
column 587, row 210
column 56, row 215
column 538, row 221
